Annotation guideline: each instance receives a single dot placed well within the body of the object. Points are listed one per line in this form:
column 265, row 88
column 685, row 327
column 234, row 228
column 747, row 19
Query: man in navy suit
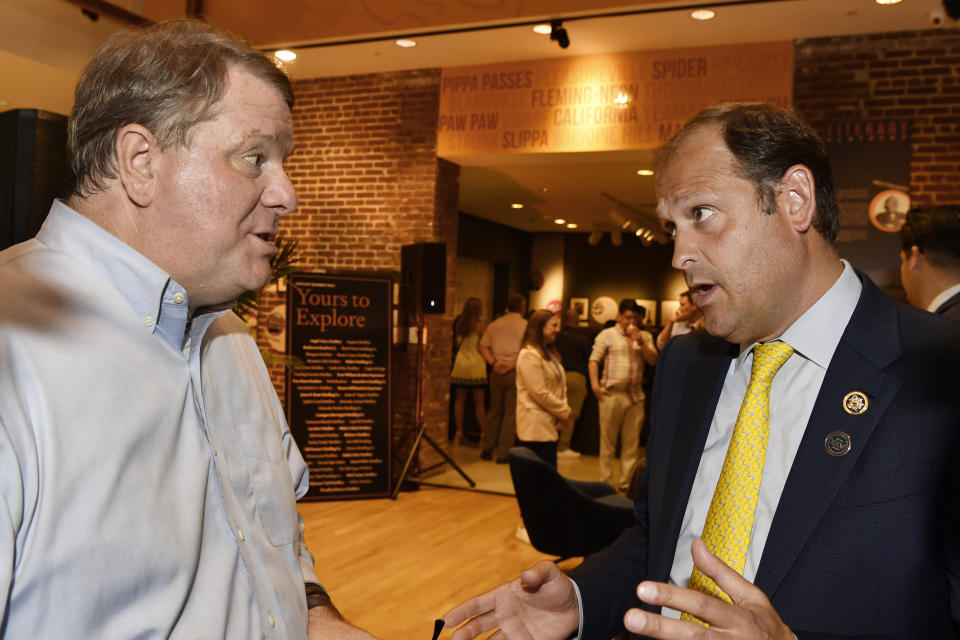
column 930, row 259
column 856, row 529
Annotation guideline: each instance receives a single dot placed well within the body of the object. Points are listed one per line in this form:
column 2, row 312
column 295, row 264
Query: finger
column 733, row 584
column 537, row 575
column 476, row 626
column 652, row 625
column 473, row 607
column 696, row 603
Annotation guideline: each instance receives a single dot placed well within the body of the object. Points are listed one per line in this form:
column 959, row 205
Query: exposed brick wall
column 913, row 75
column 369, row 181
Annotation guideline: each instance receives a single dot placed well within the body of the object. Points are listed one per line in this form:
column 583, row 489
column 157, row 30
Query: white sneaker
column 522, row 535
column 568, row 453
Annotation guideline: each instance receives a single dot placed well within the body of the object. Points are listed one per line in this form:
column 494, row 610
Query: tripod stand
column 421, row 426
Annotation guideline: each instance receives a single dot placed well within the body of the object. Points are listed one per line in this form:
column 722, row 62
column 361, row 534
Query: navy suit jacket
column 863, row 545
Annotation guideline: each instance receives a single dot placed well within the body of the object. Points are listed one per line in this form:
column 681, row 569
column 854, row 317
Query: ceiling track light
column 559, row 34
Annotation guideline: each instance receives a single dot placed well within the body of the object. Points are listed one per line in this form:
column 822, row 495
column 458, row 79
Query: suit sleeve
column 608, row 579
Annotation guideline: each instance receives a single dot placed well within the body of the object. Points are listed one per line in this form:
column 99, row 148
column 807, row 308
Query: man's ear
column 135, row 150
column 913, row 258
column 797, row 197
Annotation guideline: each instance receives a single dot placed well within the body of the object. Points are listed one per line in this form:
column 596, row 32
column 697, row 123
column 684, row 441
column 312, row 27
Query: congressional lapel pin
column 838, row 444
column 855, row 403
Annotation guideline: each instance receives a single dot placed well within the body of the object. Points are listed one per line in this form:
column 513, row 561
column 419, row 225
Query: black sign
column 338, row 399
column 871, row 168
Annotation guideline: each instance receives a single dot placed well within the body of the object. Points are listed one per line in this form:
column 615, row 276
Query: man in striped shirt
column 622, row 349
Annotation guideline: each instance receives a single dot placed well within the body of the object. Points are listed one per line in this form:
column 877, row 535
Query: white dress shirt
column 814, row 338
column 942, row 297
column 147, row 474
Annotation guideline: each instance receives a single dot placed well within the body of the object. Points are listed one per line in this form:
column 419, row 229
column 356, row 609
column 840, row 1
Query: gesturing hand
column 750, row 617
column 539, row 605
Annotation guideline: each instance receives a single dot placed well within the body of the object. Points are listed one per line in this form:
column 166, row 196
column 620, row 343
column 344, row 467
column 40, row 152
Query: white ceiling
column 44, row 44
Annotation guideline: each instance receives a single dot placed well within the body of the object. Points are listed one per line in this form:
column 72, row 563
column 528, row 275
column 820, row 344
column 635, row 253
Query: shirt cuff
column 576, row 590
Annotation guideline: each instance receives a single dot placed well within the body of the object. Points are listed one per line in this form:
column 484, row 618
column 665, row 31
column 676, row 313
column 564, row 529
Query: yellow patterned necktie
column 729, row 523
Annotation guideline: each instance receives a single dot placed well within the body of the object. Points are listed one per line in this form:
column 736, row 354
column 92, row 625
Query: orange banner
column 601, row 103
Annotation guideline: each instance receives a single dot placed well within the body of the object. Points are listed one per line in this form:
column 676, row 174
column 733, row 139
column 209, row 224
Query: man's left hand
column 750, row 617
column 325, row 623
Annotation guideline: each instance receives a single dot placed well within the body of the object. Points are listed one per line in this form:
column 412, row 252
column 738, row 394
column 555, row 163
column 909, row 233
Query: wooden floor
column 393, row 567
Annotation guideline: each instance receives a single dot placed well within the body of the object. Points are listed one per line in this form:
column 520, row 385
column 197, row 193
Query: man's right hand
column 539, row 605
column 599, row 391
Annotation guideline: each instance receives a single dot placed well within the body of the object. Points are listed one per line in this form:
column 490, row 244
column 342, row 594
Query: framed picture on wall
column 667, row 309
column 582, row 305
column 650, row 306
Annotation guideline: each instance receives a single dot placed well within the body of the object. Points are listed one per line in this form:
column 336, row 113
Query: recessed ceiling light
column 516, row 205
column 703, row 14
column 560, row 221
column 572, row 225
column 644, row 172
column 406, row 43
column 542, row 29
column 888, row 1
column 285, row 55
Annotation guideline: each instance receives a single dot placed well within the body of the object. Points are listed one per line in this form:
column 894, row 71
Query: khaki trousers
column 619, row 417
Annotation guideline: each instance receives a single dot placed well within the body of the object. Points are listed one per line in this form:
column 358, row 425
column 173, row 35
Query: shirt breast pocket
column 260, row 479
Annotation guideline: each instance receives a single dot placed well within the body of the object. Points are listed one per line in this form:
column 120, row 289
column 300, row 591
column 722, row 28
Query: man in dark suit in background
column 844, row 523
column 930, row 259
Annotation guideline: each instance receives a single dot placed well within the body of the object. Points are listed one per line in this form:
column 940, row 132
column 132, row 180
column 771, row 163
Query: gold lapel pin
column 838, row 444
column 855, row 403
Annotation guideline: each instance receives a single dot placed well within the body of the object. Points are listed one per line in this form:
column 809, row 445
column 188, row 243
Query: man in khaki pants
column 622, row 349
column 499, row 346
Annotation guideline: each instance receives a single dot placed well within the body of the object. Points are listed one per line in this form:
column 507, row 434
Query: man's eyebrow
column 256, row 136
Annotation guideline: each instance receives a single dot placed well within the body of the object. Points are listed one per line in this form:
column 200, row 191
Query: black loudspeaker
column 423, row 277
column 33, row 170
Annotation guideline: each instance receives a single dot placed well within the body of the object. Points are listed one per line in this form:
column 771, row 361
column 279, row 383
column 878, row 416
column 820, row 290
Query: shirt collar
column 816, row 334
column 942, row 297
column 159, row 301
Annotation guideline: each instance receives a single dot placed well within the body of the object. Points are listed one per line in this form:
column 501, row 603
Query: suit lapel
column 869, row 344
column 697, row 397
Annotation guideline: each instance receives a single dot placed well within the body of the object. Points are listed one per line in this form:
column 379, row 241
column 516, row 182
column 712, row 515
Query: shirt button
column 272, row 621
column 148, row 321
column 178, row 298
column 241, row 536
column 214, row 450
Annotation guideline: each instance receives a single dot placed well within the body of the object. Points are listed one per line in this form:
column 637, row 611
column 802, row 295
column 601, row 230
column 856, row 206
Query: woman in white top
column 542, row 408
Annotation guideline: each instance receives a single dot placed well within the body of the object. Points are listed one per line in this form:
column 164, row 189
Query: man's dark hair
column 766, row 141
column 935, row 231
column 628, row 304
column 516, row 303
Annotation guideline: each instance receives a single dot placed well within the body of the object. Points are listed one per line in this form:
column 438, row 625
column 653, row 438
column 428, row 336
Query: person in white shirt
column 148, row 478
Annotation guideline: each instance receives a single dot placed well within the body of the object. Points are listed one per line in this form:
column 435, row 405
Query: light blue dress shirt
column 148, row 478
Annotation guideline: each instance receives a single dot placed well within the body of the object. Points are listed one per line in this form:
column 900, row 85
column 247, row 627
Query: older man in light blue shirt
column 148, row 479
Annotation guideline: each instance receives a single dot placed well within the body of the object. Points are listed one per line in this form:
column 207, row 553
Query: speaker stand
column 421, row 426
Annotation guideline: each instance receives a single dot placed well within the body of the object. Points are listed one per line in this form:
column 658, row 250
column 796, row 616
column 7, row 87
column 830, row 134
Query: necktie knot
column 768, row 357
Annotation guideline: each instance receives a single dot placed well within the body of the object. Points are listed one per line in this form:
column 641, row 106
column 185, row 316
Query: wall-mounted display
column 603, row 310
column 338, row 400
column 650, row 306
column 582, row 305
column 888, row 210
column 668, row 308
